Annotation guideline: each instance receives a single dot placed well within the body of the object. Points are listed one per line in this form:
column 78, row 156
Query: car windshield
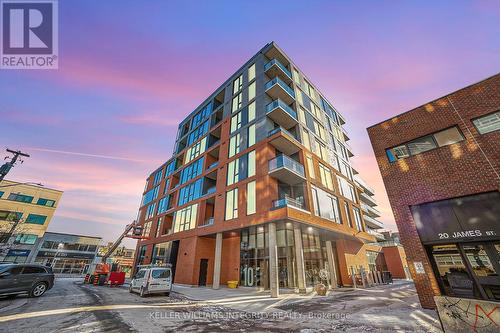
column 160, row 273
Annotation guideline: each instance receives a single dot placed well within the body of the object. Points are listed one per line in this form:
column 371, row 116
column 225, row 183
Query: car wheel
column 130, row 288
column 38, row 289
column 142, row 293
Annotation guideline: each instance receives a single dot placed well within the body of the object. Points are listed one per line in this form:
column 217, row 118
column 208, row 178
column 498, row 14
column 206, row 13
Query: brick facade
column 451, row 171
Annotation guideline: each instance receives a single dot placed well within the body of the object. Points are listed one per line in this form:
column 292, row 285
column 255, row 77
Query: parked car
column 30, row 279
column 154, row 280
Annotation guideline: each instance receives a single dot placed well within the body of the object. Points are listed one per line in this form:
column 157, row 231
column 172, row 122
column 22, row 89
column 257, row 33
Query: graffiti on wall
column 462, row 315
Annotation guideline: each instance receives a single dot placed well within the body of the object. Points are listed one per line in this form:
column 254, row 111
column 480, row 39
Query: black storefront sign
column 471, row 218
column 62, row 254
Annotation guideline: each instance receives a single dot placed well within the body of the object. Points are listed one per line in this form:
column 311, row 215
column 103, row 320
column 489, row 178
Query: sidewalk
column 249, row 299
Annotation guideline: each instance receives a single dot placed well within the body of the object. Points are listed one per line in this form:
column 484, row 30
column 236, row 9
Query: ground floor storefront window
column 254, row 257
column 469, row 270
column 66, row 265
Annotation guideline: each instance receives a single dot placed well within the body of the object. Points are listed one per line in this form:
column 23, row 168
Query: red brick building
column 440, row 163
column 260, row 188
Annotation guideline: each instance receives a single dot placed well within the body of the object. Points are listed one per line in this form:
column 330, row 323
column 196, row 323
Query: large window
column 36, row 219
column 241, row 168
column 488, row 123
column 233, row 171
column 232, row 204
column 198, row 132
column 195, row 151
column 163, row 204
column 146, row 229
column 46, row 202
column 25, row 239
column 347, row 214
column 325, row 205
column 326, row 176
column 150, row 211
column 202, row 114
column 236, row 121
column 150, row 195
column 20, row 197
column 237, row 101
column 251, row 201
column 158, row 176
column 190, row 192
column 192, row 170
column 310, row 166
column 357, row 219
column 185, row 219
column 234, row 145
column 251, row 91
column 425, row 143
column 237, row 84
column 251, row 112
column 346, row 189
column 251, row 73
column 251, row 135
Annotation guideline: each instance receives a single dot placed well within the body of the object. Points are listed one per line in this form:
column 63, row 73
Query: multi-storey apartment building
column 259, row 189
column 25, row 213
column 440, row 163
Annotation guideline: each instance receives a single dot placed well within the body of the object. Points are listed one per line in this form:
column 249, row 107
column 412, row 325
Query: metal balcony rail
column 282, row 84
column 282, row 130
column 288, row 201
column 279, row 103
column 283, row 161
column 280, row 65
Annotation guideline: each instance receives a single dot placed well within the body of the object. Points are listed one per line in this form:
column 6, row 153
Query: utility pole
column 17, row 155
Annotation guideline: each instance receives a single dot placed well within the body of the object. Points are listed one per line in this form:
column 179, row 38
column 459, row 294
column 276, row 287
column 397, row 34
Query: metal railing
column 282, row 130
column 282, row 84
column 288, row 201
column 279, row 103
column 280, row 65
column 207, row 222
column 283, row 161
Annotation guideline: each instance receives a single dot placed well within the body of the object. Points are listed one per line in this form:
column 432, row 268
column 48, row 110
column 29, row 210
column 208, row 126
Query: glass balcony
column 207, row 222
column 378, row 235
column 286, row 169
column 372, row 223
column 289, row 202
column 278, row 89
column 281, row 113
column 286, row 142
column 275, row 68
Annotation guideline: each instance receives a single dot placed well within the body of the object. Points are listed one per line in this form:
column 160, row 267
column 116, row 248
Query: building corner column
column 331, row 265
column 299, row 258
column 217, row 260
column 273, row 261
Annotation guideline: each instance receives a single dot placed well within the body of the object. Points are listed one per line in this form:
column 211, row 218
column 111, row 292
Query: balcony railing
column 278, row 103
column 211, row 190
column 213, row 165
column 279, row 64
column 375, row 233
column 207, row 222
column 283, row 161
column 288, row 201
column 282, row 130
column 282, row 84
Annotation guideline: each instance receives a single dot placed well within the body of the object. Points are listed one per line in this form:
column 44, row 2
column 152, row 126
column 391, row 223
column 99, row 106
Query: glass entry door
column 483, row 260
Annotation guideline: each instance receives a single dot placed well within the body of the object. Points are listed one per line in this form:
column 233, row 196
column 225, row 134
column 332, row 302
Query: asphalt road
column 74, row 307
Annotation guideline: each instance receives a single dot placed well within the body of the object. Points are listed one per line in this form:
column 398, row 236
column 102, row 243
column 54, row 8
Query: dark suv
column 32, row 279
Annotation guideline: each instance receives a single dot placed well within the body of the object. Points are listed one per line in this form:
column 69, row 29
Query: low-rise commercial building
column 25, row 214
column 440, row 163
column 67, row 253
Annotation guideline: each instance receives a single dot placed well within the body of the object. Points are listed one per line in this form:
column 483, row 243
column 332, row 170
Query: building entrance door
column 202, row 280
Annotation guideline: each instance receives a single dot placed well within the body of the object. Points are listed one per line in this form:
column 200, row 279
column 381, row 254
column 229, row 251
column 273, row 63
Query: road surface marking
column 92, row 308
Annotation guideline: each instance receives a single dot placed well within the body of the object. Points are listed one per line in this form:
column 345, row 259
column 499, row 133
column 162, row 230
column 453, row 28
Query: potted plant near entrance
column 321, row 288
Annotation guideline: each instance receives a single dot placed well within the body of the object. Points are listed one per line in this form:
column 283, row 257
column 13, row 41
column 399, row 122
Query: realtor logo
column 29, row 34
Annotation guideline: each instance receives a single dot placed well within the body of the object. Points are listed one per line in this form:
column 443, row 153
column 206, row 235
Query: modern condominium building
column 260, row 188
column 440, row 163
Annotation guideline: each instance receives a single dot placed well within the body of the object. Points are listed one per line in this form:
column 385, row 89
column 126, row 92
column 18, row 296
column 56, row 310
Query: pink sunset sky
column 129, row 71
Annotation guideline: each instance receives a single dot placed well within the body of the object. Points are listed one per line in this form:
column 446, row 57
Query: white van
column 153, row 280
